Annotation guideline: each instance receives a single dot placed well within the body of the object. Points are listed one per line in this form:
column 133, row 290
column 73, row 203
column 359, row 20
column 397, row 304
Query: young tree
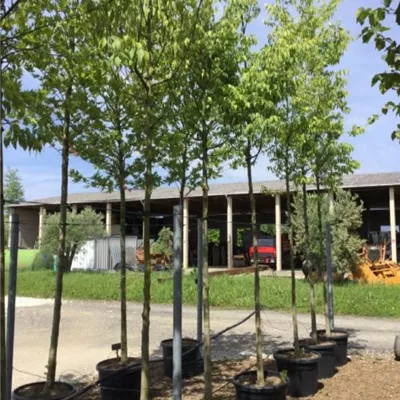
column 213, row 67
column 108, row 142
column 345, row 219
column 60, row 69
column 251, row 104
column 376, row 28
column 80, row 227
column 154, row 47
column 13, row 189
column 318, row 101
column 15, row 24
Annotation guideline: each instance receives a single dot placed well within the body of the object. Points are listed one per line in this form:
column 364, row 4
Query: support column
column 186, row 233
column 75, row 208
column 109, row 219
column 392, row 206
column 42, row 217
column 331, row 202
column 229, row 224
column 278, row 232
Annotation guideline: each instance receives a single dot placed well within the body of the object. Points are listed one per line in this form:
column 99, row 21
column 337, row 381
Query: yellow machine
column 374, row 268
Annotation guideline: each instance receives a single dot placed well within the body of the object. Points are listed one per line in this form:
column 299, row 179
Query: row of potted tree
column 142, row 85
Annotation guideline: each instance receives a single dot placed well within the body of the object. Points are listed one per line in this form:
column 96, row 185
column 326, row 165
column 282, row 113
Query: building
column 229, row 210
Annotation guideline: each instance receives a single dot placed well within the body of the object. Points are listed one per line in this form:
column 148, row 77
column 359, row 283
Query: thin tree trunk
column 257, row 305
column 122, row 221
column 291, row 243
column 310, row 274
column 52, row 361
column 2, row 265
column 321, row 250
column 145, row 378
column 206, row 283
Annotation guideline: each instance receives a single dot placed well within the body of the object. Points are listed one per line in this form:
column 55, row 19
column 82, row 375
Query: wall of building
column 29, row 227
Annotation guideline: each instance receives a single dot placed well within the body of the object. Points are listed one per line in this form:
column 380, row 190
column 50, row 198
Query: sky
column 376, row 152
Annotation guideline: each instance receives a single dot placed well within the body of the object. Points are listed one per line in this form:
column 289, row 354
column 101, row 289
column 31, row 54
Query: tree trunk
column 321, row 249
column 310, row 274
column 291, row 244
column 206, row 283
column 52, row 361
column 145, row 378
column 2, row 267
column 257, row 305
column 122, row 221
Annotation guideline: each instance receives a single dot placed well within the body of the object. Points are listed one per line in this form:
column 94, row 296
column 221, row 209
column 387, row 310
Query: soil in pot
column 341, row 339
column 326, row 364
column 302, row 372
column 34, row 391
column 120, row 382
column 247, row 388
column 191, row 360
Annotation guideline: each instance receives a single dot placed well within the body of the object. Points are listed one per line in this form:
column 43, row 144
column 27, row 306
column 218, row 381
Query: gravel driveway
column 90, row 327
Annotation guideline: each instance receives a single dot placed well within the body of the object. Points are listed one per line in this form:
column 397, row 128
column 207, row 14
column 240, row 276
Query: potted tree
column 290, row 148
column 108, row 143
column 251, row 137
column 56, row 67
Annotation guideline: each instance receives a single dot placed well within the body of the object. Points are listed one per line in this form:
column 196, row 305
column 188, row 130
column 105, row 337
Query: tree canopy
column 376, row 24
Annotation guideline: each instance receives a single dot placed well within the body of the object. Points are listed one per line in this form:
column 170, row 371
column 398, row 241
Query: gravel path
column 89, row 328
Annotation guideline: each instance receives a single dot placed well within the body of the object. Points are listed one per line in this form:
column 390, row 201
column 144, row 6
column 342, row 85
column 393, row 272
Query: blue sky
column 374, row 149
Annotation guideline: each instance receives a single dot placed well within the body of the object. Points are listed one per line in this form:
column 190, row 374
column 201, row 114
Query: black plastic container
column 326, row 364
column 302, row 372
column 341, row 339
column 244, row 392
column 18, row 393
column 192, row 364
column 119, row 384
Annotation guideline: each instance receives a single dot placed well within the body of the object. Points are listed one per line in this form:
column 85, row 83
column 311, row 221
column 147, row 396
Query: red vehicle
column 266, row 249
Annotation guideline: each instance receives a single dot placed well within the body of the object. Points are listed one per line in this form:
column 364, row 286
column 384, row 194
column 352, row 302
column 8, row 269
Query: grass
column 25, row 258
column 226, row 292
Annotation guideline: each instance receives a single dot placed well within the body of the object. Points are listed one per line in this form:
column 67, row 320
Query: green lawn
column 226, row 291
column 25, row 258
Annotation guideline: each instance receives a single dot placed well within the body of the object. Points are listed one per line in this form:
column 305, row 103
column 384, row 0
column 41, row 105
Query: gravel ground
column 89, row 328
column 364, row 377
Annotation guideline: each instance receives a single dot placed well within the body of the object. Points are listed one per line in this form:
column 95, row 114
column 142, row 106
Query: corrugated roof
column 349, row 181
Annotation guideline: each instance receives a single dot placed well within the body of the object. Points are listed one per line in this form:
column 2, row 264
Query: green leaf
column 362, row 14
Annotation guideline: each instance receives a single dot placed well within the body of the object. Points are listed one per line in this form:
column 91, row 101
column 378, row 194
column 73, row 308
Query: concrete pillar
column 186, row 233
column 9, row 227
column 392, row 206
column 75, row 208
column 108, row 219
column 331, row 202
column 229, row 227
column 278, row 232
column 42, row 217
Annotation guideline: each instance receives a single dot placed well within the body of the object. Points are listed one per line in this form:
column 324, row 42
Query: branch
column 183, row 58
column 10, row 10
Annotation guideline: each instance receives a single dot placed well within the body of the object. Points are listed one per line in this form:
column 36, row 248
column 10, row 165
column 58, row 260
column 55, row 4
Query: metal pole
column 329, row 274
column 200, row 282
column 12, row 291
column 177, row 335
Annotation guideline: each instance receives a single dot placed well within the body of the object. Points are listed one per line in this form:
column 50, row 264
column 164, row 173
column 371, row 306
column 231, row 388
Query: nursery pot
column 341, row 340
column 246, row 388
column 119, row 382
column 302, row 372
column 326, row 364
column 34, row 391
column 191, row 361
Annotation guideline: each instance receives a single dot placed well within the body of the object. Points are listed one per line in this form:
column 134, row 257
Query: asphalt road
column 89, row 328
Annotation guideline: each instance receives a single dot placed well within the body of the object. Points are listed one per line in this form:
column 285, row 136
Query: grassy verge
column 226, row 292
column 25, row 258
